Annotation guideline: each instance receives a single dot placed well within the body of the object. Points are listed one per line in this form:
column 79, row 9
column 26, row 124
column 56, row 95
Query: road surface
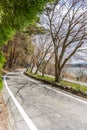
column 47, row 109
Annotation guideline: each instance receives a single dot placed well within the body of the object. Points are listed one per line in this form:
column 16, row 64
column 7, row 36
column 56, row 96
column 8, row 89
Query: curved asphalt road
column 47, row 109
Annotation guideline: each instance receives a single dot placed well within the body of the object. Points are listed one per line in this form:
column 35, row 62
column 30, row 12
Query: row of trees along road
column 16, row 15
column 66, row 24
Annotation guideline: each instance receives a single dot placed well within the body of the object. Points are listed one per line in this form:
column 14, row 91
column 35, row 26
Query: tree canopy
column 17, row 14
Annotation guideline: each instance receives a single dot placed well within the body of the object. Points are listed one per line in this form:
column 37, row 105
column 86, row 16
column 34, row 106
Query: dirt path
column 3, row 114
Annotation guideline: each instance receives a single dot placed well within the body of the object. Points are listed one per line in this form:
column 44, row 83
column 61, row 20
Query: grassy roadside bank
column 74, row 88
column 2, row 72
column 1, row 82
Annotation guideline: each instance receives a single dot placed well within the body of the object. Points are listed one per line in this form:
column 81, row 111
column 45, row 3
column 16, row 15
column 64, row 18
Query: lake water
column 78, row 71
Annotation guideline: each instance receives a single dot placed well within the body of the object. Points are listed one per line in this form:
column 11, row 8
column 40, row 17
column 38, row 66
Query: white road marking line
column 21, row 110
column 67, row 95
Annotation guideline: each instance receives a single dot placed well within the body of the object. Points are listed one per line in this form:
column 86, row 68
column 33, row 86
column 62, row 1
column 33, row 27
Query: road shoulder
column 3, row 114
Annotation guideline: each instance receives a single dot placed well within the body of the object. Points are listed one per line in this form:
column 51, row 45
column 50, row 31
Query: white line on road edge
column 67, row 95
column 19, row 107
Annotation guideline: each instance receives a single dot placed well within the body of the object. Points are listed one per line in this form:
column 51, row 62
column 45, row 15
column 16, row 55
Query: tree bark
column 43, row 70
column 32, row 67
column 36, row 70
column 59, row 75
column 56, row 63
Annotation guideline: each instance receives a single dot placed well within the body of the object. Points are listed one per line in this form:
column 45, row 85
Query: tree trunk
column 59, row 75
column 10, row 63
column 43, row 70
column 32, row 68
column 36, row 70
column 42, row 73
column 56, row 63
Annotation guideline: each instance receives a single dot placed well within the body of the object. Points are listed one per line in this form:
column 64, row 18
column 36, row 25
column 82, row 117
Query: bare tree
column 43, row 52
column 45, row 63
column 66, row 23
column 32, row 62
